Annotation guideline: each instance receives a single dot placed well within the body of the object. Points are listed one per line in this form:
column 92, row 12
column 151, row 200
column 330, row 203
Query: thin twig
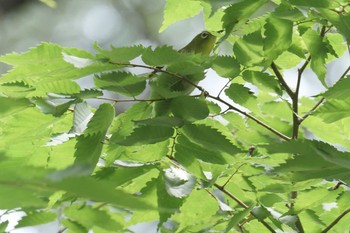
column 250, row 117
column 330, row 226
column 223, row 88
column 228, row 180
column 312, row 110
column 157, row 69
column 323, row 98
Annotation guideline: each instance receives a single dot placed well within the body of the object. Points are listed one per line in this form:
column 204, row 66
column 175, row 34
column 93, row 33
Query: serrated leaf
column 241, row 95
column 90, row 217
column 340, row 90
column 249, row 49
column 88, row 94
column 49, row 107
column 146, row 135
column 263, row 81
column 286, row 11
column 176, row 10
column 312, row 160
column 121, row 82
column 73, row 226
column 184, row 148
column 45, row 63
column 316, row 3
column 99, row 190
column 162, row 121
column 189, row 108
column 311, row 199
column 65, row 87
column 278, row 37
column 208, row 137
column 161, row 56
column 36, row 218
column 119, row 55
column 82, row 115
column 238, row 13
column 90, row 143
column 226, row 66
column 340, row 21
column 333, row 110
column 167, row 205
column 318, row 51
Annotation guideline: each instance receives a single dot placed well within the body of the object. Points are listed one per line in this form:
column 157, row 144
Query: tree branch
column 281, row 135
column 241, row 203
column 330, row 226
column 159, row 69
column 281, row 80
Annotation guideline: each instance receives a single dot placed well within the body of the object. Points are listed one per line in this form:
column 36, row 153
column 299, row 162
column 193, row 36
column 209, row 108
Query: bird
column 165, row 86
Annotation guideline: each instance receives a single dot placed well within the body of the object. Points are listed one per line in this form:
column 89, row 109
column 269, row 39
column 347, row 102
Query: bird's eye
column 204, row 35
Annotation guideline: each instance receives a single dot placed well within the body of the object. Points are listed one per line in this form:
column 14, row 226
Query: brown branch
column 281, row 135
column 281, row 80
column 241, row 203
column 330, row 226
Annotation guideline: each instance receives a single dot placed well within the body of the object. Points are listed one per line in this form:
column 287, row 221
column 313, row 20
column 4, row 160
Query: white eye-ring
column 204, row 35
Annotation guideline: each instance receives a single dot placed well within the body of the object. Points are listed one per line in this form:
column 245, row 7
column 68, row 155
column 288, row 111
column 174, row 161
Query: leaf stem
column 230, row 106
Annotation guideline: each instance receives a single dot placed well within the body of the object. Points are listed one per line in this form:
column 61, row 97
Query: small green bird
column 167, row 86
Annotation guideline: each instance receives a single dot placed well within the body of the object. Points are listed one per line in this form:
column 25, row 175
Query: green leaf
column 73, row 227
column 146, row 135
column 287, row 11
column 208, row 137
column 98, row 190
column 189, row 108
column 249, row 49
column 49, row 107
column 161, row 56
column 340, row 90
column 226, row 66
column 206, row 154
column 49, row 3
column 176, row 10
column 121, row 82
column 162, row 121
column 278, row 37
column 119, row 55
column 36, row 218
column 263, row 81
column 241, row 95
column 340, row 21
column 90, row 143
column 64, row 87
column 318, row 51
column 313, row 198
column 88, row 94
column 90, row 217
column 333, row 110
column 315, row 3
column 195, row 211
column 50, row 62
column 312, row 160
column 167, row 205
column 238, row 13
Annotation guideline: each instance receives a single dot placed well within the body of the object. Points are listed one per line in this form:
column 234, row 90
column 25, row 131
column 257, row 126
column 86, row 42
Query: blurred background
column 80, row 23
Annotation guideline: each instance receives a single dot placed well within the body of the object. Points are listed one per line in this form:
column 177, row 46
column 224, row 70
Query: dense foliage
column 256, row 157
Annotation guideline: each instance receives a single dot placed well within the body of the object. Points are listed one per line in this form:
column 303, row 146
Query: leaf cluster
column 255, row 157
